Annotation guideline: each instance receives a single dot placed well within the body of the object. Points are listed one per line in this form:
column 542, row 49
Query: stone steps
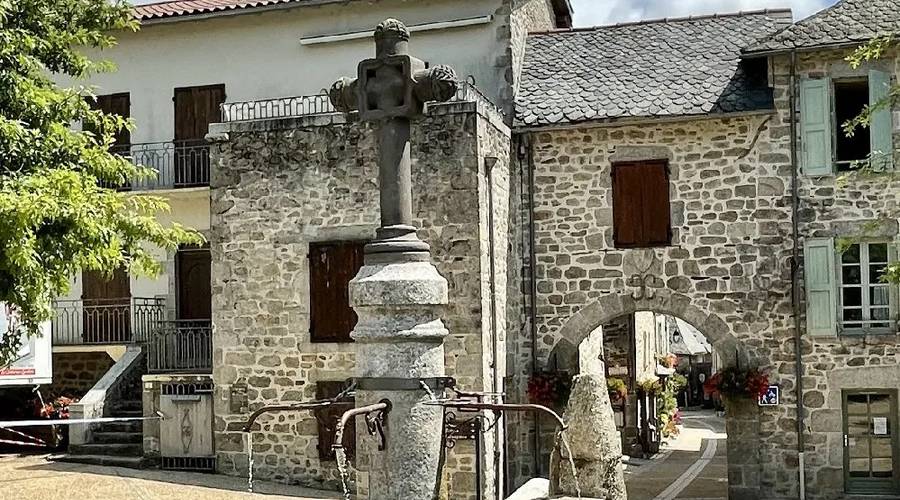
column 117, row 437
column 104, row 460
column 108, row 449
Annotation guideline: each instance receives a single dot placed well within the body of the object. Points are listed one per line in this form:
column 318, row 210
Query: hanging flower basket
column 737, row 382
column 617, row 389
column 550, row 388
column 669, row 360
column 650, row 385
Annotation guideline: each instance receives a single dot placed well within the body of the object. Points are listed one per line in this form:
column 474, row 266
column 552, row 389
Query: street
column 692, row 466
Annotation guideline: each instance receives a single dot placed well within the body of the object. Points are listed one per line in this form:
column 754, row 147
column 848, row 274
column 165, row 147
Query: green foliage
column 616, row 388
column 667, row 403
column 54, row 217
column 871, row 51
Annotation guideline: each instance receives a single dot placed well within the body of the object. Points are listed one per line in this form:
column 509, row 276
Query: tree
column 56, row 216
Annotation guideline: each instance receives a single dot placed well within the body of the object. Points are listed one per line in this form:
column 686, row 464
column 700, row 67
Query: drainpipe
column 795, row 278
column 489, row 163
column 527, row 160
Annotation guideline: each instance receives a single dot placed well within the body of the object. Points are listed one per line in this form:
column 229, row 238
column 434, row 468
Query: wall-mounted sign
column 880, row 426
column 33, row 364
column 617, row 370
column 771, row 398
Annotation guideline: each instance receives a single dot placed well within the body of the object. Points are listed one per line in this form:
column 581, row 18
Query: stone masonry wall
column 729, row 262
column 74, row 373
column 281, row 184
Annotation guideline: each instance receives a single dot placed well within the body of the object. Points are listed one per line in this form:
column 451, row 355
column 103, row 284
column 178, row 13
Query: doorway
column 870, row 442
column 195, row 109
column 193, row 269
column 106, row 307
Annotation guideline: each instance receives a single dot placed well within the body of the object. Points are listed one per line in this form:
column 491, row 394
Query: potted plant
column 550, row 388
column 735, row 382
column 650, row 385
column 669, row 360
column 617, row 389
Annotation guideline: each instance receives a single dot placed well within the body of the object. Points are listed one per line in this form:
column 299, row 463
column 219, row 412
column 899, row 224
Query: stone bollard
column 595, row 444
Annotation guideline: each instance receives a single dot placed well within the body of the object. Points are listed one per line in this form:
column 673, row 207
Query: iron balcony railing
column 178, row 164
column 319, row 104
column 183, row 346
column 105, row 321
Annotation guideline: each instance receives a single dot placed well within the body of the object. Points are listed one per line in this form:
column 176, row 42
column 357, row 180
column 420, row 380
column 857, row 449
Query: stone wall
column 74, row 373
column 281, row 184
column 728, row 269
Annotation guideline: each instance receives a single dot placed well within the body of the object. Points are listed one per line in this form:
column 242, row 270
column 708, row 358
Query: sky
column 598, row 12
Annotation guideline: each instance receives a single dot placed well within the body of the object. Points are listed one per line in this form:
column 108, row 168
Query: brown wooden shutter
column 641, row 214
column 331, row 267
column 328, row 419
column 195, row 109
column 194, row 283
column 116, row 104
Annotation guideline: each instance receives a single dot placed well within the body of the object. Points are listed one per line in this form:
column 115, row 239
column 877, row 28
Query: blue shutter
column 821, row 286
column 880, row 126
column 815, row 126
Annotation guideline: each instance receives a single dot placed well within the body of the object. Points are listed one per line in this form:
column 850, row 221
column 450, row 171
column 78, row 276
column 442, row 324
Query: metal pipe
column 474, row 405
column 312, row 405
column 353, row 413
column 489, row 164
column 795, row 276
column 527, row 160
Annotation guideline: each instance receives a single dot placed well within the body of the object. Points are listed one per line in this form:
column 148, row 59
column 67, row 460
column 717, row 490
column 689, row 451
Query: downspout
column 795, row 279
column 489, row 164
column 527, row 160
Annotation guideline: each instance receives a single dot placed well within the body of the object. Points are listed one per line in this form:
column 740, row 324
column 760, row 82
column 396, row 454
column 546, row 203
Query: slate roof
column 661, row 68
column 846, row 22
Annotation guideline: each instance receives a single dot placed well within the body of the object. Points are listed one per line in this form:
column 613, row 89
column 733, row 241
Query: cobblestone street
column 26, row 477
column 693, row 466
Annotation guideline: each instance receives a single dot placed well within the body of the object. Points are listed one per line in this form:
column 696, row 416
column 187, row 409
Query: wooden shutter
column 194, row 284
column 195, row 109
column 880, row 124
column 815, row 126
column 331, row 267
column 116, row 104
column 328, row 419
column 821, row 286
column 641, row 213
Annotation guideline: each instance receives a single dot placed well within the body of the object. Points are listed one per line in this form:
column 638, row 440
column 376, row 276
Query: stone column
column 742, row 429
column 400, row 336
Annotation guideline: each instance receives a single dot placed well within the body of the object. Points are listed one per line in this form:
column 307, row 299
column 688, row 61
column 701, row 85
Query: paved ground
column 32, row 477
column 691, row 467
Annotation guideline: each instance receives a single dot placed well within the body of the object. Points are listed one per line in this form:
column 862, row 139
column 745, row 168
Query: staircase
column 118, row 444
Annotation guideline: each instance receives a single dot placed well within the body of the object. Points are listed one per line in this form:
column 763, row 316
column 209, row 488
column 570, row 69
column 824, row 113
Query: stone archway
column 663, row 301
column 741, row 421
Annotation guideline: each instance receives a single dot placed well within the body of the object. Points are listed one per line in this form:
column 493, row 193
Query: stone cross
column 391, row 90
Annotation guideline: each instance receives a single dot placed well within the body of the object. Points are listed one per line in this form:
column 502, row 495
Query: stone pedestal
column 400, row 336
column 594, row 442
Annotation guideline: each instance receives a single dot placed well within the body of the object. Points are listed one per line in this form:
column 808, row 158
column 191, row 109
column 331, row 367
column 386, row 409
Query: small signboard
column 880, row 426
column 772, row 396
column 33, row 364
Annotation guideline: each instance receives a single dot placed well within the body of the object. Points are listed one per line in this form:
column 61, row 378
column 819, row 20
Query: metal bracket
column 403, row 384
column 375, row 427
column 456, row 429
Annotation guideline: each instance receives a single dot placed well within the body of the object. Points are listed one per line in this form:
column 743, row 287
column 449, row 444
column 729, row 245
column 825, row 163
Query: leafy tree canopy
column 56, row 217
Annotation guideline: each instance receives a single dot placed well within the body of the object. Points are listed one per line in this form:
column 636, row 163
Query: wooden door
column 106, row 307
column 193, row 269
column 116, row 104
column 195, row 109
column 870, row 442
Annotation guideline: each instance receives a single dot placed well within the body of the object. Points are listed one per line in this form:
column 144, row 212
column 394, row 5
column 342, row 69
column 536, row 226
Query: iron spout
column 312, row 405
column 353, row 413
column 474, row 405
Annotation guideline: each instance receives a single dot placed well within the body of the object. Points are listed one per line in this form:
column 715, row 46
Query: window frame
column 865, row 285
column 837, row 128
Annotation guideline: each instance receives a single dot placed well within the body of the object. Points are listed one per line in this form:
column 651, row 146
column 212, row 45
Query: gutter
column 795, row 279
column 433, row 26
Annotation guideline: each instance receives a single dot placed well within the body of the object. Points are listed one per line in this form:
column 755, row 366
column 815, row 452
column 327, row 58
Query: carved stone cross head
column 393, row 84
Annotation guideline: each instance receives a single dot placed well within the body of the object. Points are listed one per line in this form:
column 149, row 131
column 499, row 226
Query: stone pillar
column 595, row 444
column 400, row 336
column 742, row 429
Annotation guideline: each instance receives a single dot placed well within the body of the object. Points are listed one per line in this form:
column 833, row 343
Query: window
column 641, row 215
column 825, row 105
column 865, row 299
column 331, row 267
column 850, row 98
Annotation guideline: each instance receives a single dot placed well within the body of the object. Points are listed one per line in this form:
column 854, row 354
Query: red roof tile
column 176, row 8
